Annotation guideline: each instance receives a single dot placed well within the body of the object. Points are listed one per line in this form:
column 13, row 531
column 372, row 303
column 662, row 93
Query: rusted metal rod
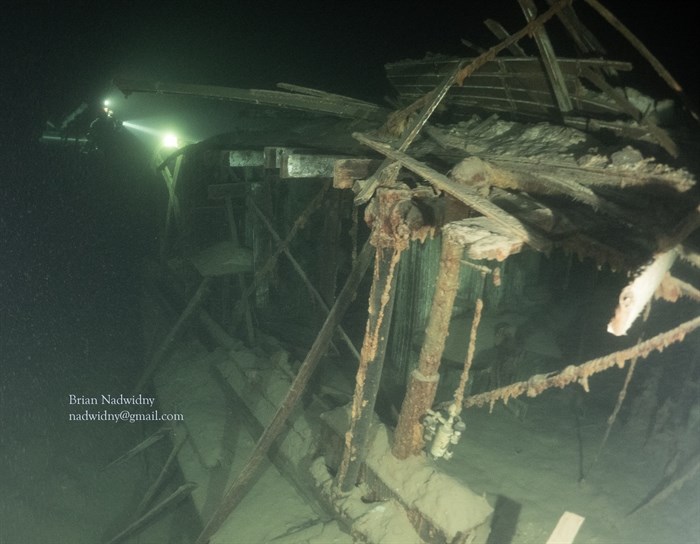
column 580, row 373
column 408, row 439
column 246, row 478
column 456, row 407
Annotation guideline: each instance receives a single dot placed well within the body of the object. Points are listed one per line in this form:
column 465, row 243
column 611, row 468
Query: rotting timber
column 520, row 172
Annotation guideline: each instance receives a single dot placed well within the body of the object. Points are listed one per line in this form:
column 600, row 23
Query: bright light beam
column 141, row 128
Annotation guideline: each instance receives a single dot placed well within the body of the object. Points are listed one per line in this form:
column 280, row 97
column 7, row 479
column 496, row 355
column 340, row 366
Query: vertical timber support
column 408, row 439
column 387, row 214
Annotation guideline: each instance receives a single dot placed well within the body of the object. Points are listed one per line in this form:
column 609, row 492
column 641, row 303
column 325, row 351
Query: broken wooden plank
column 567, row 528
column 637, row 294
column 504, row 84
column 401, row 117
column 467, row 195
column 434, row 69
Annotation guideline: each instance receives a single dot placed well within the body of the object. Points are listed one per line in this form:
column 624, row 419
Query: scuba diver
column 102, row 132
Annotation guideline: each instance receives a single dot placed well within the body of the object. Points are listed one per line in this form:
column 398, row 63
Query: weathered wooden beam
column 324, row 94
column 246, row 157
column 549, row 58
column 333, row 105
column 464, row 194
column 307, row 165
column 245, row 479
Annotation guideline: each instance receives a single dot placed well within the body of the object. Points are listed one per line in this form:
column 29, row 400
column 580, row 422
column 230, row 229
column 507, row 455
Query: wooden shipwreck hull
column 469, row 194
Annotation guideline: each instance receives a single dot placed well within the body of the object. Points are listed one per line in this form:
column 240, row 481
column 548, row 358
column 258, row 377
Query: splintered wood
column 573, row 373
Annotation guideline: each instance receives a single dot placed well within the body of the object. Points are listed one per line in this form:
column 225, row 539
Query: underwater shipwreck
column 469, row 317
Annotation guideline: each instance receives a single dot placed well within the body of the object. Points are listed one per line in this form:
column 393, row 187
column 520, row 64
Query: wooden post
column 245, row 479
column 381, row 303
column 408, row 439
